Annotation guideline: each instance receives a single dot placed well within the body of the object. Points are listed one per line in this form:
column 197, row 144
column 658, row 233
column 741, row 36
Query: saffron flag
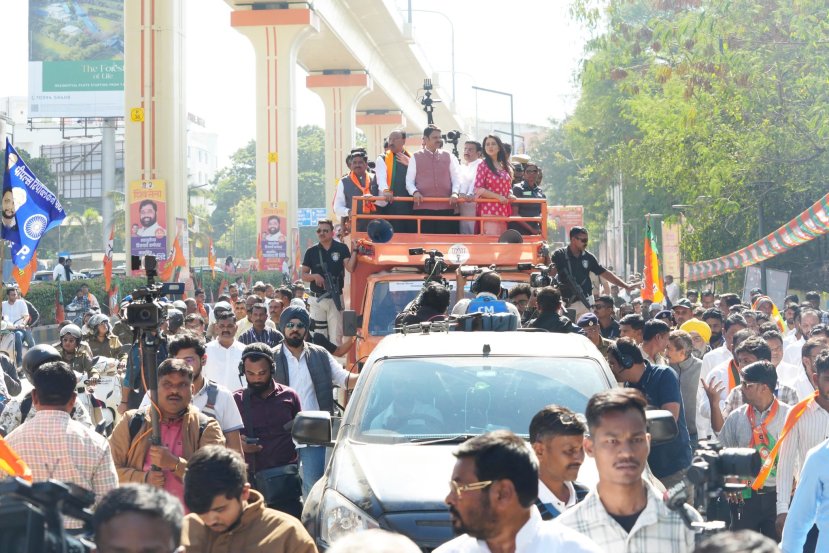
column 211, row 258
column 29, row 208
column 23, row 277
column 12, row 464
column 652, row 286
column 174, row 263
column 112, row 297
column 108, row 260
column 59, row 313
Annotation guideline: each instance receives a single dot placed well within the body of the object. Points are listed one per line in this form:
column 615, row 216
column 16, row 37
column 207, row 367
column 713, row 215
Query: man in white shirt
column 148, row 217
column 439, row 180
column 390, row 172
column 224, row 354
column 557, row 437
column 313, row 373
column 16, row 314
column 59, row 272
column 804, row 324
column 472, row 155
column 625, row 512
column 493, row 487
column 671, row 289
column 792, row 376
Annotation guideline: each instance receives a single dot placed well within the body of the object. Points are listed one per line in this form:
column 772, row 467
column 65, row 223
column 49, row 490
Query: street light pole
column 452, row 32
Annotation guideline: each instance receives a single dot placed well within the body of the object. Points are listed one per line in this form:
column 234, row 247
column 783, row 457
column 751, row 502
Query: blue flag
column 29, row 208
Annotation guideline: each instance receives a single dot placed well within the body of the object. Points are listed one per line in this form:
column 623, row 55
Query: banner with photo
column 560, row 219
column 273, row 224
column 76, row 58
column 671, row 237
column 148, row 214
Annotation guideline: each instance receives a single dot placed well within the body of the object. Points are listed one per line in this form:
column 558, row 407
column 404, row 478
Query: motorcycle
column 101, row 394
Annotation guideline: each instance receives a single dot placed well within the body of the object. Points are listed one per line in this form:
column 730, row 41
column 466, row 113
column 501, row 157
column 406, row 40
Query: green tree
column 231, row 185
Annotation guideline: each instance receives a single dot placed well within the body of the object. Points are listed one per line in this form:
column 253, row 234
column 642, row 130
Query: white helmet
column 72, row 329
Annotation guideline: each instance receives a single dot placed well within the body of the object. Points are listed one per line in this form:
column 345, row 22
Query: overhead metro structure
column 360, row 57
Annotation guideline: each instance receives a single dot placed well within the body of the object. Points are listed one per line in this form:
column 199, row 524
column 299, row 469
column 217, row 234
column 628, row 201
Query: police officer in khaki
column 72, row 351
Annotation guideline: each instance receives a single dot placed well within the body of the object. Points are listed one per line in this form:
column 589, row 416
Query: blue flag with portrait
column 29, row 208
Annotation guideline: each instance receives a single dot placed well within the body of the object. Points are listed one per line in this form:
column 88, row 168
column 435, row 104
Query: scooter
column 101, row 394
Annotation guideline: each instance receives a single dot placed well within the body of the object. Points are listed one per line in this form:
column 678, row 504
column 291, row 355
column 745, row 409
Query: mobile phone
column 252, row 441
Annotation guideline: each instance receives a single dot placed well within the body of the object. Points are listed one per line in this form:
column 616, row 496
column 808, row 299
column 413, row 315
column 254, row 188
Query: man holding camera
column 574, row 263
column 756, row 424
column 268, row 410
column 184, row 429
column 332, row 259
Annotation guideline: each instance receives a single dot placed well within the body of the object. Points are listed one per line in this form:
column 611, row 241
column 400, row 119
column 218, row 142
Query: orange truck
column 390, row 274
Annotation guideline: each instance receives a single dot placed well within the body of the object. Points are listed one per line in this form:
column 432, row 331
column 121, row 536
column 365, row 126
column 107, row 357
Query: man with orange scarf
column 358, row 182
column 391, row 170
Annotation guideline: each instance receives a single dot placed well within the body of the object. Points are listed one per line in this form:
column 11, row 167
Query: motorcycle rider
column 70, row 350
column 101, row 339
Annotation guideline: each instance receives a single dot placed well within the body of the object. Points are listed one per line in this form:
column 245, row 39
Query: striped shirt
column 811, row 429
column 55, row 446
column 657, row 529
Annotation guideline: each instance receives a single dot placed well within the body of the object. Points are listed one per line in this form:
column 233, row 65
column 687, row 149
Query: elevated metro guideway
column 360, row 57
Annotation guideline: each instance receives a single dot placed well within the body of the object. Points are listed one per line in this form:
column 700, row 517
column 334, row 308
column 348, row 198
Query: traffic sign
column 308, row 216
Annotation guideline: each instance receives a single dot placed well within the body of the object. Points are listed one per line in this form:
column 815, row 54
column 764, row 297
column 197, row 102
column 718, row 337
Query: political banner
column 76, row 58
column 29, row 208
column 670, row 249
column 273, row 242
column 560, row 219
column 148, row 213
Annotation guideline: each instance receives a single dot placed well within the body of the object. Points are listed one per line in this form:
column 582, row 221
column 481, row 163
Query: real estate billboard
column 76, row 58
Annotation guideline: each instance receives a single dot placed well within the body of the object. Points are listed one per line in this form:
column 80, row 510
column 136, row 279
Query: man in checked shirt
column 57, row 447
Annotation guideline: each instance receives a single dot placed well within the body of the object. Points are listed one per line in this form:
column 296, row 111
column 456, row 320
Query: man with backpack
column 184, row 430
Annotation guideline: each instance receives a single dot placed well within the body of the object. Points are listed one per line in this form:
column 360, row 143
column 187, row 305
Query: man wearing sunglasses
column 756, row 424
column 574, row 264
column 491, row 501
column 333, row 258
column 312, row 372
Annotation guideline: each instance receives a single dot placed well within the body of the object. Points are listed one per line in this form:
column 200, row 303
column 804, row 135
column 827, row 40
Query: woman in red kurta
column 493, row 181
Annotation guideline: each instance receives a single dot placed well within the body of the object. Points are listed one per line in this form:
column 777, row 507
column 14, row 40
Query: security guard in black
column 334, row 257
column 578, row 262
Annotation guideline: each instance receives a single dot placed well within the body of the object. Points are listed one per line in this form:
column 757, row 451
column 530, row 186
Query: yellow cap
column 700, row 327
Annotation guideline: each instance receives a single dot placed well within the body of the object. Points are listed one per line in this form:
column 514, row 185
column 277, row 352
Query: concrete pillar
column 377, row 127
column 339, row 93
column 155, row 131
column 276, row 36
column 107, row 177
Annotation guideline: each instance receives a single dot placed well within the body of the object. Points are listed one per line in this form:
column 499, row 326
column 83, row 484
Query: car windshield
column 391, row 297
column 415, row 399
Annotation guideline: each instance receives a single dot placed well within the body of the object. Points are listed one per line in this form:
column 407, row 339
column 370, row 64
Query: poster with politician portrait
column 560, row 219
column 273, row 232
column 148, row 218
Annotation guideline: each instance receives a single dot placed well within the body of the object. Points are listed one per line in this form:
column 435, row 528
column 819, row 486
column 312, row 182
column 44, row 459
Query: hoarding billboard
column 148, row 214
column 76, row 58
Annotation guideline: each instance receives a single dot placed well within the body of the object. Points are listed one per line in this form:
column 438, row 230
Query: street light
column 452, row 32
column 511, row 111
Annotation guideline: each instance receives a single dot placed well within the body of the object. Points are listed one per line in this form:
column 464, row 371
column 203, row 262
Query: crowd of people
column 226, row 475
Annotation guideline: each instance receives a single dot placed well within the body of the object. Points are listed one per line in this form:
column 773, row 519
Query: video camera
column 540, row 278
column 31, row 516
column 710, row 467
column 434, row 265
column 145, row 311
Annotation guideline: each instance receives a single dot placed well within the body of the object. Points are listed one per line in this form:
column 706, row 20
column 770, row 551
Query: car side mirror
column 312, row 428
column 351, row 322
column 661, row 426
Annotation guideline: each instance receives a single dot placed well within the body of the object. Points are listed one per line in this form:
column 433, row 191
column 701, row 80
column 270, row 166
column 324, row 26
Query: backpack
column 487, row 304
column 493, row 322
column 548, row 513
column 137, row 421
column 212, row 394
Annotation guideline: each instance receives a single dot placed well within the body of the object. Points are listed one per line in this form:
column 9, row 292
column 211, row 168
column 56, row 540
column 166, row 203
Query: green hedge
column 42, row 294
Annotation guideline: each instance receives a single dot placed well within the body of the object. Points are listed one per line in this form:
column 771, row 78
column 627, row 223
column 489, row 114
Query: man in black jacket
column 549, row 302
column 432, row 306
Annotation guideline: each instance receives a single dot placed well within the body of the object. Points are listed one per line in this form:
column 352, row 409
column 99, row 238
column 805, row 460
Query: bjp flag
column 652, row 286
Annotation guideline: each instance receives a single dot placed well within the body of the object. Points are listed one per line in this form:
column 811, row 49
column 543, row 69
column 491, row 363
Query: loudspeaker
column 379, row 231
column 511, row 236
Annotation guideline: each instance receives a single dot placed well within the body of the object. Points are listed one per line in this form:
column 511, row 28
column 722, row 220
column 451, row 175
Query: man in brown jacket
column 184, row 429
column 227, row 516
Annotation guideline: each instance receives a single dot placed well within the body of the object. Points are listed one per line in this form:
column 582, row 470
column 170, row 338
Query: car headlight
column 341, row 517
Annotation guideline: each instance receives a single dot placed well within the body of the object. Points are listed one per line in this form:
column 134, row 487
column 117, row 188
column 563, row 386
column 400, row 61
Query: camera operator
column 57, row 447
column 576, row 261
column 136, row 518
column 184, row 429
column 227, row 516
column 487, row 290
column 432, row 306
column 660, row 385
column 756, row 424
column 625, row 512
column 521, row 295
column 548, row 301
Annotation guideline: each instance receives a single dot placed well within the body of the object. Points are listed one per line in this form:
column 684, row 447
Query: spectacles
column 323, row 230
column 582, row 240
column 458, row 489
column 292, row 325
